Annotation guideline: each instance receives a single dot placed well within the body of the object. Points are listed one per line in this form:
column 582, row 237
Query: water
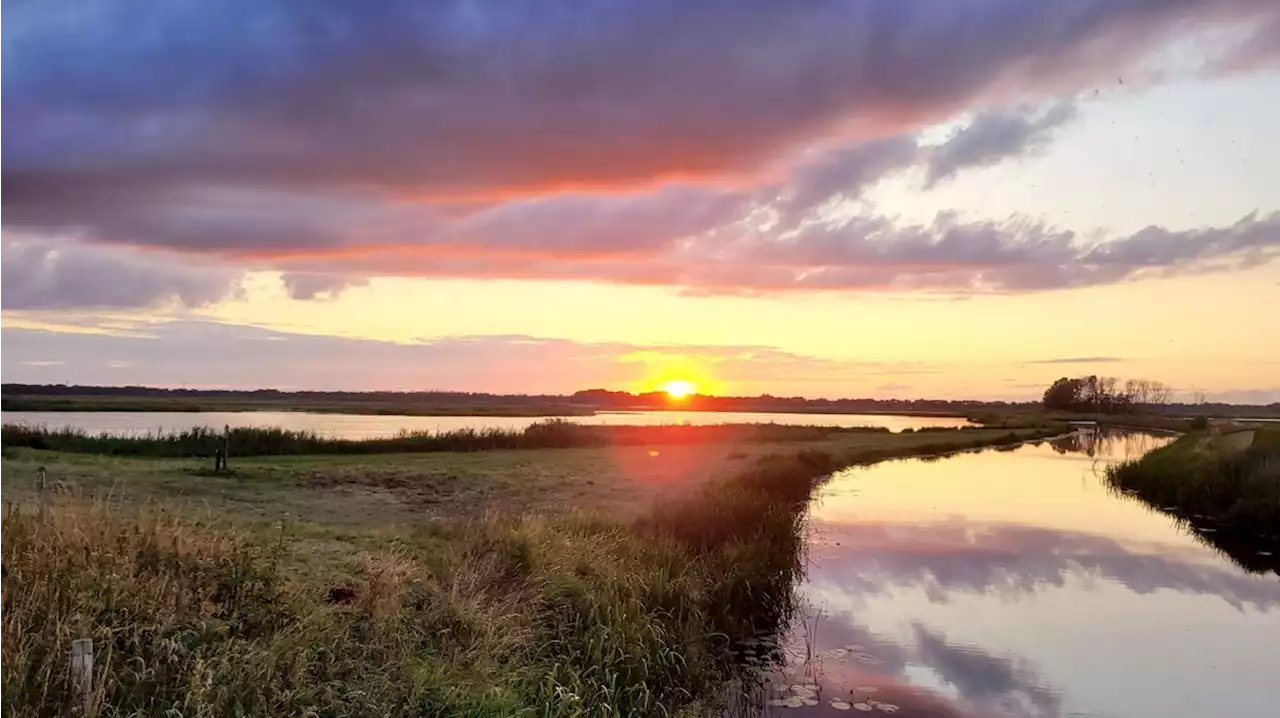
column 358, row 426
column 1015, row 584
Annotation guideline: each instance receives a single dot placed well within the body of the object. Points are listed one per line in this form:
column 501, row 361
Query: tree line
column 1107, row 395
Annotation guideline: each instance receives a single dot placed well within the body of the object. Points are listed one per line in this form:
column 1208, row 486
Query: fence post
column 226, row 446
column 42, row 489
column 82, row 673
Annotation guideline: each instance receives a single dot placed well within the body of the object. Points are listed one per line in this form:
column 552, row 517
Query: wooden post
column 82, row 673
column 42, row 489
column 226, row 445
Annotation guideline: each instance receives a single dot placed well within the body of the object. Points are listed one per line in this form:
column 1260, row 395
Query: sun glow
column 679, row 388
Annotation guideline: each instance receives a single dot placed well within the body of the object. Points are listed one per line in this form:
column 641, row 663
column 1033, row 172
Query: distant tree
column 1107, row 400
column 1106, row 395
column 1158, row 394
column 1065, row 395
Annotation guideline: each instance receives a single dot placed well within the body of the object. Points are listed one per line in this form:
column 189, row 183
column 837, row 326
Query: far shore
column 203, row 405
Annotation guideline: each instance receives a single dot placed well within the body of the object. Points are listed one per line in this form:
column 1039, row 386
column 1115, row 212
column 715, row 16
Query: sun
column 679, row 388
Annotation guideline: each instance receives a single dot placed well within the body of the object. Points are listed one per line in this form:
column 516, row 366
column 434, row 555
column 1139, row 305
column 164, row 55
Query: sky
column 856, row 198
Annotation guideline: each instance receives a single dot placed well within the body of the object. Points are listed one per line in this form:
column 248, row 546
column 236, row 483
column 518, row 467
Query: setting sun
column 679, row 388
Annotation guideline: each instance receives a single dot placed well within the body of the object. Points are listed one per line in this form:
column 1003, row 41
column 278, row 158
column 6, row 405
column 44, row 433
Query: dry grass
column 569, row 615
column 573, row 607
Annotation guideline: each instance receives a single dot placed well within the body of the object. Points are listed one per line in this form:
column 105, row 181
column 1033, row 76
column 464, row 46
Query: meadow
column 608, row 580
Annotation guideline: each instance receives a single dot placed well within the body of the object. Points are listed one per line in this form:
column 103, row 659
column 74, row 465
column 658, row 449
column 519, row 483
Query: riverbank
column 320, row 583
column 1225, row 486
column 1137, row 422
column 549, row 434
column 275, row 441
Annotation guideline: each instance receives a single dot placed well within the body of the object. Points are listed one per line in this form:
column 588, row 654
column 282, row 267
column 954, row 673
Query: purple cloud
column 994, row 136
column 305, row 285
column 51, row 275
column 634, row 142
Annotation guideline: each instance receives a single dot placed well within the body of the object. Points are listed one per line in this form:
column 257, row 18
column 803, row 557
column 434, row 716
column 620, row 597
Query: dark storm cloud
column 40, row 275
column 634, row 142
column 993, row 136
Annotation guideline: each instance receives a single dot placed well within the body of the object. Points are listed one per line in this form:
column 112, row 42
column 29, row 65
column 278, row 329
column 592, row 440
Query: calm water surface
column 356, row 426
column 1014, row 584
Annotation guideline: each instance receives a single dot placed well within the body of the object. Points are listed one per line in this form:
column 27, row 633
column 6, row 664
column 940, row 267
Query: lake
column 1014, row 583
column 361, row 426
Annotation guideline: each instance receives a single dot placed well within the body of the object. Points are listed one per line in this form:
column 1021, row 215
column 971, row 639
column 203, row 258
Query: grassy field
column 648, row 463
column 612, row 580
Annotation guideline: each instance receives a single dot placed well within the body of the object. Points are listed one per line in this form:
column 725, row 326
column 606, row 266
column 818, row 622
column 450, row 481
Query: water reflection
column 1015, row 584
column 941, row 560
column 1253, row 551
column 362, row 426
column 1107, row 443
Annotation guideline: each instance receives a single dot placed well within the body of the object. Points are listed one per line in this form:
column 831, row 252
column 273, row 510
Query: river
column 362, row 426
column 1014, row 583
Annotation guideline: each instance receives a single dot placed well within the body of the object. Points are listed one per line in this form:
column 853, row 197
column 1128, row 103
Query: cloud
column 948, row 558
column 550, row 141
column 472, row 98
column 994, row 136
column 209, row 354
column 985, row 679
column 871, row 253
column 60, row 275
column 308, row 285
column 1078, row 360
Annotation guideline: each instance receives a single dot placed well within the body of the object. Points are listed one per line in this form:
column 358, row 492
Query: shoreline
column 443, row 411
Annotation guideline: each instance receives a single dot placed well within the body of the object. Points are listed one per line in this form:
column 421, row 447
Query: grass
column 269, row 592
column 1228, row 494
column 1026, row 417
column 391, row 489
column 1229, row 487
column 567, row 615
column 275, row 441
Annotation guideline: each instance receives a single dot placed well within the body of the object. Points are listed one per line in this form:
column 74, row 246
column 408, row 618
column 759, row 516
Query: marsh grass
column 580, row 614
column 1230, row 497
column 1230, row 487
column 274, row 441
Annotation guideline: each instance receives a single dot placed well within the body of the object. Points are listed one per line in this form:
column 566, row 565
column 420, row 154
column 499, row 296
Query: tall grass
column 568, row 616
column 1236, row 487
column 550, row 434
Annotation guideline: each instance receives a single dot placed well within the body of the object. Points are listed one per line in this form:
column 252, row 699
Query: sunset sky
column 865, row 198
